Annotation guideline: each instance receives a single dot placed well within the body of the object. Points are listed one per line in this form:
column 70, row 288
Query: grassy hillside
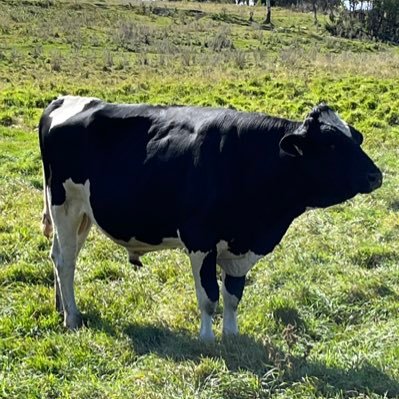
column 319, row 317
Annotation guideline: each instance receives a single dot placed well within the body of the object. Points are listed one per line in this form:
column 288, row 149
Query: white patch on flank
column 206, row 333
column 235, row 265
column 71, row 106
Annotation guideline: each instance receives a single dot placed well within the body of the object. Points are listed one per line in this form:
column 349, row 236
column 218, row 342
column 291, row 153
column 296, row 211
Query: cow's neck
column 278, row 180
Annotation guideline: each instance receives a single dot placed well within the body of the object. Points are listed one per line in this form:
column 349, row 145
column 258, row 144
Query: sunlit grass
column 319, row 317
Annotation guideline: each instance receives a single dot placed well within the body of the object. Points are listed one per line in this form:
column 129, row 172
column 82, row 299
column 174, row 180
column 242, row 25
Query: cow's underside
column 78, row 206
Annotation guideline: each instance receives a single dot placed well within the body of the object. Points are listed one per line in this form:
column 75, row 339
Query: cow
column 221, row 184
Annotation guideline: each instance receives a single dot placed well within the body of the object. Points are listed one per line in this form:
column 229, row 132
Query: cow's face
column 333, row 165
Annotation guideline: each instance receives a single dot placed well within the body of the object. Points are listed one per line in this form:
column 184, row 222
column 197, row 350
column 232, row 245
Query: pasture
column 320, row 315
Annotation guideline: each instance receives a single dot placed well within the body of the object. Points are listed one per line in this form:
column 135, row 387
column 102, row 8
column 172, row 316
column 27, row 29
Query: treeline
column 375, row 19
column 371, row 19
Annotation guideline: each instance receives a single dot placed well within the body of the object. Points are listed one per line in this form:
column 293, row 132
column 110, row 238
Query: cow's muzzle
column 374, row 180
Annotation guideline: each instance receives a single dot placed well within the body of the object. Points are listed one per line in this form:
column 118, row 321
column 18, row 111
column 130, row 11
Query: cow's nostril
column 375, row 180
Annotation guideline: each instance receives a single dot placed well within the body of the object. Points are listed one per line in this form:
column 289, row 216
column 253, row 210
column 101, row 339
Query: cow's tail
column 46, row 224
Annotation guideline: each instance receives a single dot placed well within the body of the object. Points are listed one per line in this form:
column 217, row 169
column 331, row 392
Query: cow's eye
column 332, row 147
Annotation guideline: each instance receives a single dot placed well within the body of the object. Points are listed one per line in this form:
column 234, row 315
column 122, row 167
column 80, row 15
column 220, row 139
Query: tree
column 268, row 12
column 314, row 8
column 378, row 19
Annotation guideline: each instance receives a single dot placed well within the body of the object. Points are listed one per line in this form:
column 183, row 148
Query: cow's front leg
column 204, row 270
column 233, row 288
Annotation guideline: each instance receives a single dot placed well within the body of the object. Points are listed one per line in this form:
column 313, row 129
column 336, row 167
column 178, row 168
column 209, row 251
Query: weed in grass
column 187, row 57
column 221, row 40
column 56, row 61
column 37, row 51
column 108, row 60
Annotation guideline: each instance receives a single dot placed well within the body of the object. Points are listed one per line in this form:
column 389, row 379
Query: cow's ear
column 357, row 136
column 293, row 144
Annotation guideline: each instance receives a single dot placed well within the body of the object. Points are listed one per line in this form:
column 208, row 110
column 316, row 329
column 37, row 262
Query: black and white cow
column 224, row 185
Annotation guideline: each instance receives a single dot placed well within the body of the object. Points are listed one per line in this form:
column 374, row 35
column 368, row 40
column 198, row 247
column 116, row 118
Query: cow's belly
column 139, row 248
column 168, row 238
column 235, row 265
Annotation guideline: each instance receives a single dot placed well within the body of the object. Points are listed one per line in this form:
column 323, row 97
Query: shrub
column 56, row 61
column 240, row 59
column 132, row 37
column 221, row 41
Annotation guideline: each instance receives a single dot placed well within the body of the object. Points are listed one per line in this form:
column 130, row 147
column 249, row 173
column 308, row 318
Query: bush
column 221, row 41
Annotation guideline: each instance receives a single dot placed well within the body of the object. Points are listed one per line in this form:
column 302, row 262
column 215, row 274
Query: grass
column 319, row 317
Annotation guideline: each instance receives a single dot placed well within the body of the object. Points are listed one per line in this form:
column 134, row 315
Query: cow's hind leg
column 71, row 229
column 83, row 232
column 207, row 289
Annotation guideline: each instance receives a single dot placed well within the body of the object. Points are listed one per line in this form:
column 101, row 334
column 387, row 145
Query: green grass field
column 320, row 315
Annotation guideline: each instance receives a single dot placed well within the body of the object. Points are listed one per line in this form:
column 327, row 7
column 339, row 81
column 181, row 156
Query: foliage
column 380, row 20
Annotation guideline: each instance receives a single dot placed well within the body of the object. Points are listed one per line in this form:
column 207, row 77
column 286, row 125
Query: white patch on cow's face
column 71, row 106
column 235, row 265
column 331, row 118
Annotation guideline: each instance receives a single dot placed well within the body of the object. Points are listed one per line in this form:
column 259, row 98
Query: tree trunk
column 268, row 12
column 314, row 11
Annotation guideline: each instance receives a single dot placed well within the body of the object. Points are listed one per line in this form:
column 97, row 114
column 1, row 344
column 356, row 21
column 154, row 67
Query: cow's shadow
column 275, row 367
column 272, row 365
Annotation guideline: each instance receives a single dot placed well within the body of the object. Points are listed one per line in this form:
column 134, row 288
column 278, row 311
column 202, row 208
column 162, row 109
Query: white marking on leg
column 83, row 232
column 230, row 304
column 233, row 264
column 71, row 106
column 66, row 232
column 204, row 304
column 72, row 224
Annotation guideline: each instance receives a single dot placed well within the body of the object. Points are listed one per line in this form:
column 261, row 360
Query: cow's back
column 148, row 167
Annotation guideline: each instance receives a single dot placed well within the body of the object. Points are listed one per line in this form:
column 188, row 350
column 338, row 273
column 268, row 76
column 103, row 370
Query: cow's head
column 328, row 153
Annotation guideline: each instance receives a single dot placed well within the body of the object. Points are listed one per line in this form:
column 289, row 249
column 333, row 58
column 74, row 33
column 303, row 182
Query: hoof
column 136, row 263
column 229, row 334
column 231, row 331
column 208, row 338
column 73, row 322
